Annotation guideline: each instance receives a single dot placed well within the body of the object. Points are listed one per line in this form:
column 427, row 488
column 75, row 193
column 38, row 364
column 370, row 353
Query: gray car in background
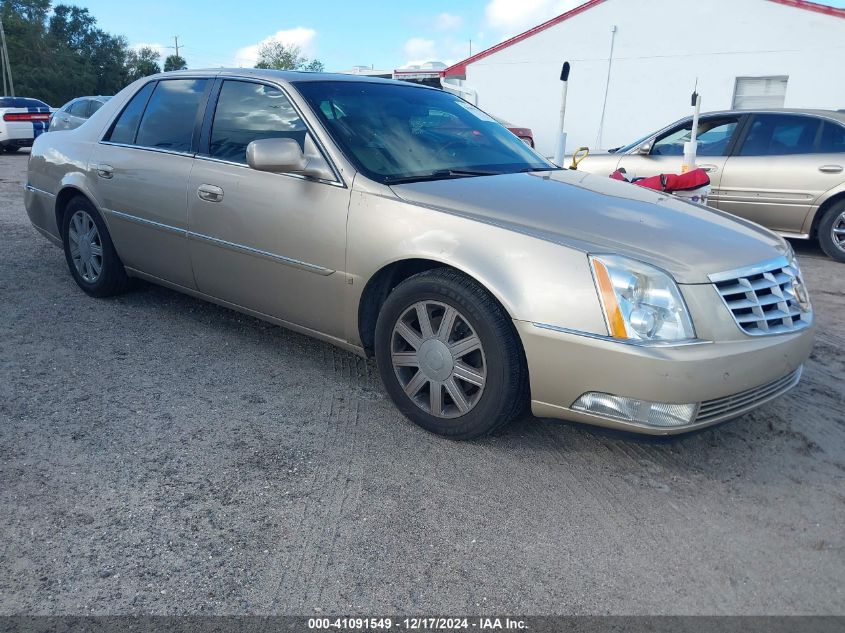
column 75, row 112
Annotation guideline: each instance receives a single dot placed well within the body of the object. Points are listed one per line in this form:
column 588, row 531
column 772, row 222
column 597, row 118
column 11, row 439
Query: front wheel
column 832, row 232
column 449, row 356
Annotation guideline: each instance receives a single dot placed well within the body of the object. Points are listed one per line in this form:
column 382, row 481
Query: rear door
column 715, row 137
column 142, row 168
column 780, row 167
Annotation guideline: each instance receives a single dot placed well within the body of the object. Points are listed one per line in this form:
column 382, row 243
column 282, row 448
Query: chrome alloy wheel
column 438, row 359
column 837, row 232
column 86, row 247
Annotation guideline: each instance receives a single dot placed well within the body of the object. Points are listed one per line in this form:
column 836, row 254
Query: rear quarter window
column 124, row 129
column 170, row 118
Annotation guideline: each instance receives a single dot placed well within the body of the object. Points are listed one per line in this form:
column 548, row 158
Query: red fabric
column 669, row 182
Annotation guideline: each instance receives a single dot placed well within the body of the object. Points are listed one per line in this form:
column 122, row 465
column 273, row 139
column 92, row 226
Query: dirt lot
column 162, row 455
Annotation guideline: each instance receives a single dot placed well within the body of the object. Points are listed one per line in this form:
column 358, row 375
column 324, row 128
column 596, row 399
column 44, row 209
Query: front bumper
column 727, row 378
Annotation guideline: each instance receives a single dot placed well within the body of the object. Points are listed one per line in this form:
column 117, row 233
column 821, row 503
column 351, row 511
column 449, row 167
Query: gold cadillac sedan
column 400, row 222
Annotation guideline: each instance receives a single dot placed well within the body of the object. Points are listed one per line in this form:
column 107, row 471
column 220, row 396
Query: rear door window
column 94, row 106
column 79, row 108
column 781, row 135
column 124, row 129
column 170, row 119
column 247, row 112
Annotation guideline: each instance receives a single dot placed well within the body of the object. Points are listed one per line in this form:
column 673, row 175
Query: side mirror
column 279, row 155
column 284, row 156
column 645, row 148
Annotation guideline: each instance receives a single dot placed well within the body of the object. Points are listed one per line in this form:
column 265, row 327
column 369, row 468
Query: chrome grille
column 739, row 403
column 766, row 299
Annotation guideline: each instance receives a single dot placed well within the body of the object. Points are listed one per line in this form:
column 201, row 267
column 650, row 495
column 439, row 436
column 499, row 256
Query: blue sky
column 338, row 32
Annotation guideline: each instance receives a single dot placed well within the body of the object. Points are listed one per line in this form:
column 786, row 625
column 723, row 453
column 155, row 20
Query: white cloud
column 448, row 22
column 510, row 17
column 300, row 36
column 161, row 49
column 420, row 48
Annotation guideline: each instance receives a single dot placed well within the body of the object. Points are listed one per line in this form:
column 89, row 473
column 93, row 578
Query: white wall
column 661, row 47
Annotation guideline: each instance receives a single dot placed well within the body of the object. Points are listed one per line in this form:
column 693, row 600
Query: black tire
column 112, row 279
column 831, row 217
column 505, row 394
column 11, row 149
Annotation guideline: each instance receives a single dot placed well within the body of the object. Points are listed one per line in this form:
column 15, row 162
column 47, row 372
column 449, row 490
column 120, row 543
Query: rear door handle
column 105, row 171
column 709, row 168
column 210, row 193
column 831, row 169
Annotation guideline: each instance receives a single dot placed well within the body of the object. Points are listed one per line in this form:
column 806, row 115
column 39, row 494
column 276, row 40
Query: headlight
column 640, row 302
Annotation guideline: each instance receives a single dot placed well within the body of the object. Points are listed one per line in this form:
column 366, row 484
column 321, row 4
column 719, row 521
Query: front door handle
column 210, row 193
column 709, row 168
column 831, row 169
column 105, row 171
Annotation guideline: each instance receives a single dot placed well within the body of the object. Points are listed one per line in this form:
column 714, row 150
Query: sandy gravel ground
column 162, row 455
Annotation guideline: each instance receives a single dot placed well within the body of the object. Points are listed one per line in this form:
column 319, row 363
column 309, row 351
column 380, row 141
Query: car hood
column 600, row 215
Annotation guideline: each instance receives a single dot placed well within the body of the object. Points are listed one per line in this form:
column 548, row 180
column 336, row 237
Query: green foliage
column 175, row 62
column 142, row 62
column 278, row 56
column 56, row 57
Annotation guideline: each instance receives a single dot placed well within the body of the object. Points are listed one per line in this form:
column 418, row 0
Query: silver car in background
column 401, row 222
column 75, row 112
column 782, row 168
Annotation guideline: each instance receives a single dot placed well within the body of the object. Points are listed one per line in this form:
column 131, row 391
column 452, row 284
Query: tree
column 142, row 62
column 278, row 56
column 56, row 57
column 175, row 62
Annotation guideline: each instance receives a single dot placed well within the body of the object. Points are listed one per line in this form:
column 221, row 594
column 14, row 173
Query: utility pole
column 8, row 85
column 175, row 44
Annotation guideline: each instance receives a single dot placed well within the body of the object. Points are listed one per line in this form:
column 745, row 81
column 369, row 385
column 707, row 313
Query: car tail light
column 26, row 116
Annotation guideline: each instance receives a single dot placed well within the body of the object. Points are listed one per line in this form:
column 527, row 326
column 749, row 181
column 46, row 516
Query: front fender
column 534, row 280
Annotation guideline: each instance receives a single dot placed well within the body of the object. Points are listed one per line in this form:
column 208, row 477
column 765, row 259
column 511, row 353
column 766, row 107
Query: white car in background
column 76, row 112
column 22, row 120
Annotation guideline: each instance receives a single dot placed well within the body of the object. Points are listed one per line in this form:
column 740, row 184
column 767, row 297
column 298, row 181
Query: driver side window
column 714, row 136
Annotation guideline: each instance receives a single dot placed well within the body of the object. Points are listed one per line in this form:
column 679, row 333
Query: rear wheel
column 89, row 251
column 449, row 356
column 832, row 232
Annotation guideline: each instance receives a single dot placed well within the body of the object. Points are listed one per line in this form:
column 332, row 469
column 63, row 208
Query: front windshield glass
column 397, row 133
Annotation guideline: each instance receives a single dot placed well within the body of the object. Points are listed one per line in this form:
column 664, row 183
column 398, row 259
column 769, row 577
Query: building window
column 759, row 93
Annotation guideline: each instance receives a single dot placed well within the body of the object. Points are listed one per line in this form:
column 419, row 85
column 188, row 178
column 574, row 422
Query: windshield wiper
column 440, row 174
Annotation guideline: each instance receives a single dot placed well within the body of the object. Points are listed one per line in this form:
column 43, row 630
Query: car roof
column 831, row 114
column 287, row 76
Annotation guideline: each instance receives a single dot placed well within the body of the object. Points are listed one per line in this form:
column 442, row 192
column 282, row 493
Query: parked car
column 22, row 119
column 523, row 133
column 75, row 112
column 481, row 277
column 780, row 168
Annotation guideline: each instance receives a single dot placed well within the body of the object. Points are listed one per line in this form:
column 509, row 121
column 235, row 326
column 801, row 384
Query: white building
column 635, row 64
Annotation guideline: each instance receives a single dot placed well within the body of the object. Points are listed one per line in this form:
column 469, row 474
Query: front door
column 273, row 243
column 141, row 177
column 667, row 151
column 784, row 163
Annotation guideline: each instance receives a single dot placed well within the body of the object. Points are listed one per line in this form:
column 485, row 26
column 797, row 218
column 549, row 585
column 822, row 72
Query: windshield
column 401, row 133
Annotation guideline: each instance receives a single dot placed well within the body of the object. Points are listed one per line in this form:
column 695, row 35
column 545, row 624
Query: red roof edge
column 813, row 6
column 460, row 69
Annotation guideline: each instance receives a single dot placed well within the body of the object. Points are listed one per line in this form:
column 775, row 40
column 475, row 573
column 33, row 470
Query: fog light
column 659, row 414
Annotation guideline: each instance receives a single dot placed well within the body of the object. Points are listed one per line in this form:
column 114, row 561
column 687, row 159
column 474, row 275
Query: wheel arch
column 63, row 198
column 834, row 199
column 390, row 275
